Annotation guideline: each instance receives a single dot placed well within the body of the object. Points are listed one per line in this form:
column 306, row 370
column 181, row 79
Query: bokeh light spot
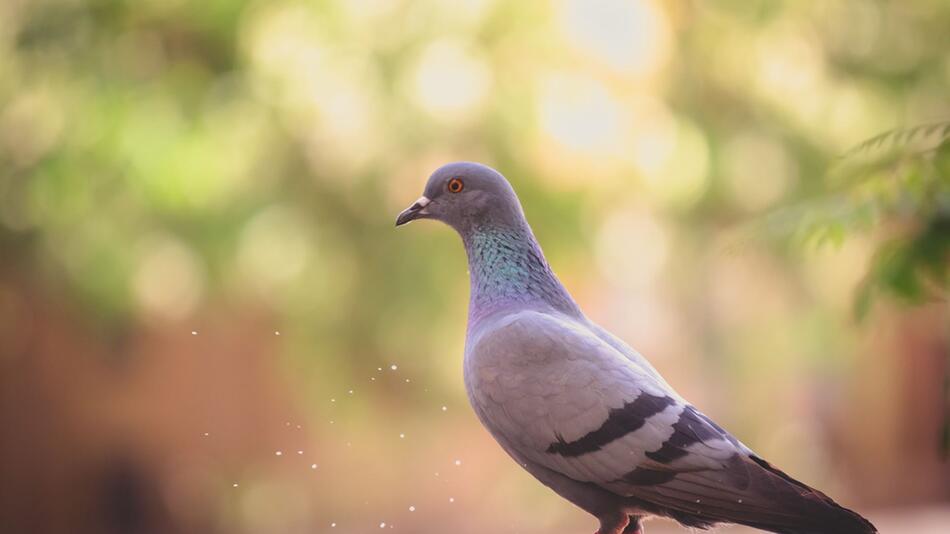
column 169, row 280
column 630, row 36
column 450, row 80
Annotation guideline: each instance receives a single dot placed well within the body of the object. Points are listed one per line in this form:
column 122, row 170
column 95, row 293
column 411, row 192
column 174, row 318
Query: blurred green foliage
column 166, row 163
column 914, row 188
column 899, row 180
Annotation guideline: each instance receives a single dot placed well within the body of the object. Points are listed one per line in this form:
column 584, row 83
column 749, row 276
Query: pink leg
column 613, row 523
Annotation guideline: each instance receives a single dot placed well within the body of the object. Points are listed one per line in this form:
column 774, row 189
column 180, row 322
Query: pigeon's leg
column 613, row 523
column 634, row 527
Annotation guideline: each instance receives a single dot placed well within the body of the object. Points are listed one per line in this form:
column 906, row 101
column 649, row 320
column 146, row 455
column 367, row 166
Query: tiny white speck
column 299, row 452
column 373, row 378
column 412, row 508
column 332, row 400
column 206, row 434
column 436, row 473
column 332, row 525
column 234, row 485
column 276, row 333
column 379, row 368
column 194, row 332
column 331, row 422
column 697, row 500
column 348, row 444
column 287, row 423
column 740, row 501
column 382, row 525
column 445, row 408
column 407, row 380
column 313, row 466
column 451, row 499
column 350, row 392
column 401, row 436
column 458, row 462
column 298, row 427
column 393, row 367
column 279, row 453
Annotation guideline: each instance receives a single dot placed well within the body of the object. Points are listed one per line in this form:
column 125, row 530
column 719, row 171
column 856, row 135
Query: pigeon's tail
column 755, row 494
column 818, row 513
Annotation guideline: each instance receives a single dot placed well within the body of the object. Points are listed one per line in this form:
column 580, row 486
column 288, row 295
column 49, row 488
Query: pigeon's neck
column 508, row 270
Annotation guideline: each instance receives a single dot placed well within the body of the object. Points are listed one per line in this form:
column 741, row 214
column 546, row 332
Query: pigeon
column 580, row 410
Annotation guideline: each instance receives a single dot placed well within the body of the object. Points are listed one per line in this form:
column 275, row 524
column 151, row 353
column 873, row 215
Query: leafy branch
column 897, row 182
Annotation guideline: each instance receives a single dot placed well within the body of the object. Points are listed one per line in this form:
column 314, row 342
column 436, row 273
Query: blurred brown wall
column 102, row 428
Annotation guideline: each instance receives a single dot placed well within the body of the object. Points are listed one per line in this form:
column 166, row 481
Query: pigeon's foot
column 634, row 526
column 615, row 523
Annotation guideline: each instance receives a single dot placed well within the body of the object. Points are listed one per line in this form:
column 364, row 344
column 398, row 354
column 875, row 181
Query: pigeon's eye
column 456, row 185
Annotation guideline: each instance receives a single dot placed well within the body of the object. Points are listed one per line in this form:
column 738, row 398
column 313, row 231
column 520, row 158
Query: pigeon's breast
column 519, row 369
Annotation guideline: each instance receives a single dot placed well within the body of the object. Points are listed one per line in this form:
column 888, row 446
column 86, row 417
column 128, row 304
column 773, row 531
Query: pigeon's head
column 466, row 195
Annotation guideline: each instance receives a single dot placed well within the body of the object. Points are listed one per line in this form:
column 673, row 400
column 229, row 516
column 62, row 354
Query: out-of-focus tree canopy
column 159, row 154
column 166, row 161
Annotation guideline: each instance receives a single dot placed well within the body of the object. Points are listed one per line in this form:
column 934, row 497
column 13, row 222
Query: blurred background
column 209, row 325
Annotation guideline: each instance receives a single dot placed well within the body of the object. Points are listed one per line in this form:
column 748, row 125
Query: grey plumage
column 579, row 409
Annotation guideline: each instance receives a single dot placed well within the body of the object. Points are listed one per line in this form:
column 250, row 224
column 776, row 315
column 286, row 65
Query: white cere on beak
column 422, row 202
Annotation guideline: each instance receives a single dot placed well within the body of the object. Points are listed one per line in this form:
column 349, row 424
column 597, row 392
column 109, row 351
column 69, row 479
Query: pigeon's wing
column 568, row 401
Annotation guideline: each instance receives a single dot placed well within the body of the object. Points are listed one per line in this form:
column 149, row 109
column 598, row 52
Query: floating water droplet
column 279, row 453
column 382, row 525
column 393, row 367
column 234, row 485
column 299, row 452
column 194, row 332
column 444, row 408
column 276, row 333
column 313, row 466
column 350, row 392
column 332, row 525
column 451, row 499
column 206, row 434
column 412, row 508
column 402, row 436
column 458, row 462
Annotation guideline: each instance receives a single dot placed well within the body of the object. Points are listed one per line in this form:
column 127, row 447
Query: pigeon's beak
column 418, row 209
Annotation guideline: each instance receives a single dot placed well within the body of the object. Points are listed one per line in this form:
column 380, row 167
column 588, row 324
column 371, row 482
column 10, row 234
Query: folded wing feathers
column 609, row 423
column 772, row 500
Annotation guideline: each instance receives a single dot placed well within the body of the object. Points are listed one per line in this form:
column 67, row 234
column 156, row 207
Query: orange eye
column 456, row 185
